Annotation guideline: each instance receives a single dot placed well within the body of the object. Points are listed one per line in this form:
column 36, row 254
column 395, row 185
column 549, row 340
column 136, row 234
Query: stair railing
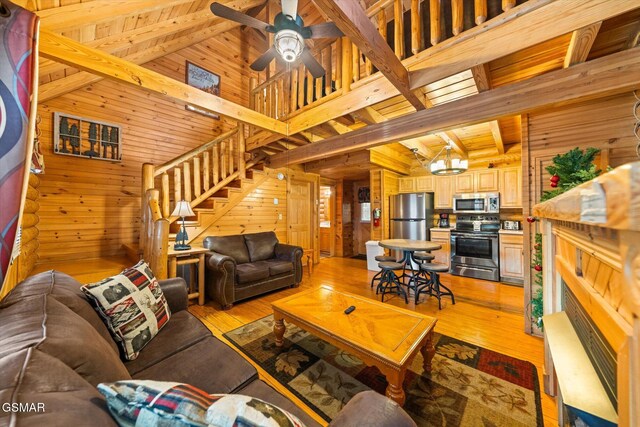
column 193, row 176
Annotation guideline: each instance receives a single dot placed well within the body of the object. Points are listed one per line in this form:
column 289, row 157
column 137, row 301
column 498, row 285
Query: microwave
column 476, row 203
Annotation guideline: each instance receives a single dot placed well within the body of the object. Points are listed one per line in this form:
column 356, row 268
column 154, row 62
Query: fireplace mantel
column 591, row 243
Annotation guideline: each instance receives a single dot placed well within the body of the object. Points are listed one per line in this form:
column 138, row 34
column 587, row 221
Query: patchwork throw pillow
column 156, row 403
column 132, row 305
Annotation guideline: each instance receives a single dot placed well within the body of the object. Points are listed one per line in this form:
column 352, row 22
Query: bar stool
column 381, row 258
column 433, row 287
column 389, row 281
column 421, row 276
column 423, row 257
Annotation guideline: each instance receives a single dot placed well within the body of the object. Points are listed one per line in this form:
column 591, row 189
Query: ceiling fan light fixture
column 289, row 44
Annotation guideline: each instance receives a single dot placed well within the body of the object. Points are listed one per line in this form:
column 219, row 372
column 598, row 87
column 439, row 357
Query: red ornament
column 554, row 184
column 537, row 267
column 531, row 219
column 555, row 178
column 537, row 247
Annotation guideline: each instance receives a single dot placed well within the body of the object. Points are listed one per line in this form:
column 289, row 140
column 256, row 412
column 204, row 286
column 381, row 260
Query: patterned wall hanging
column 91, row 139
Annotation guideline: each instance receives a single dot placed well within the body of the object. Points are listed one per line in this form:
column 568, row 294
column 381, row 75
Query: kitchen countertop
column 442, row 229
column 518, row 232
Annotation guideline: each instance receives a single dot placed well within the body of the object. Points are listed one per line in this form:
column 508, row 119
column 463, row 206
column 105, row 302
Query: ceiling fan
column 290, row 34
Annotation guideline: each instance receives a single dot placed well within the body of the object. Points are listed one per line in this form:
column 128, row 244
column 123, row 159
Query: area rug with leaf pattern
column 468, row 385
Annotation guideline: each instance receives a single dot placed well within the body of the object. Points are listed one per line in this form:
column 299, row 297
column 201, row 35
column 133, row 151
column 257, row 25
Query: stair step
column 237, row 183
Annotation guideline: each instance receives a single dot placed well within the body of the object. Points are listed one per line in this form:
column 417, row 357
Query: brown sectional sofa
column 246, row 265
column 54, row 350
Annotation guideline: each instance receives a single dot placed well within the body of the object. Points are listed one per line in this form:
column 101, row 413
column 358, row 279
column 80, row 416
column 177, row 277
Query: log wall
column 605, row 123
column 90, row 208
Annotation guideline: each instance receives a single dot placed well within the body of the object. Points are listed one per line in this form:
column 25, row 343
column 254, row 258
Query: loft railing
column 408, row 32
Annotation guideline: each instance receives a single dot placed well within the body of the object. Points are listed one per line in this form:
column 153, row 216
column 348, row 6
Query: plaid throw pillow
column 132, row 305
column 156, row 403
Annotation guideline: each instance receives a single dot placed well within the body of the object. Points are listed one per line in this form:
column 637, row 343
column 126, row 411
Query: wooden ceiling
column 140, row 31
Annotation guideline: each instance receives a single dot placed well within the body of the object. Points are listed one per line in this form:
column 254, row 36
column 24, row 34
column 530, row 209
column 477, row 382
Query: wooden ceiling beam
column 529, row 24
column 580, row 44
column 356, row 25
column 121, row 41
column 612, row 74
column 76, row 15
column 77, row 55
column 482, row 78
column 449, row 137
column 76, row 81
column 356, row 159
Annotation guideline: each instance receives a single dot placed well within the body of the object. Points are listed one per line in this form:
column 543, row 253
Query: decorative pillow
column 132, row 305
column 157, row 403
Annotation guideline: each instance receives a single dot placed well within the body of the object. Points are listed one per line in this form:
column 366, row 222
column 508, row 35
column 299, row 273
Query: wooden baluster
column 286, row 94
column 346, row 65
column 253, row 82
column 382, row 23
column 230, row 151
column 368, row 67
column 338, row 47
column 508, row 4
column 480, row 11
column 293, row 95
column 197, row 177
column 301, row 85
column 206, row 171
column 328, row 76
column 148, row 172
column 260, row 101
column 165, row 196
column 186, row 174
column 241, row 150
column 416, row 26
column 309, row 87
column 280, row 98
column 457, row 17
column 398, row 29
column 318, row 82
column 267, row 98
column 177, row 185
column 223, row 159
column 215, row 165
column 434, row 15
column 355, row 62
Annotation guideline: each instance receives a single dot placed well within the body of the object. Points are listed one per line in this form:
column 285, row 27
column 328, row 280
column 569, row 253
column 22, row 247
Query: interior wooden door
column 300, row 214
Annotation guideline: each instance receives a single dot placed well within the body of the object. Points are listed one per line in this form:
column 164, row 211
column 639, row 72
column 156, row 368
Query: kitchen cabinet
column 443, row 238
column 407, row 184
column 444, row 192
column 481, row 181
column 511, row 187
column 425, row 183
column 512, row 257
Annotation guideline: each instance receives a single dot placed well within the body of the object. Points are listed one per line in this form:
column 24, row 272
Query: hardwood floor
column 487, row 314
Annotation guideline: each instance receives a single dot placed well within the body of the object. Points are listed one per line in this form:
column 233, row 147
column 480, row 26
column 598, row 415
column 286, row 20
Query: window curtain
column 18, row 103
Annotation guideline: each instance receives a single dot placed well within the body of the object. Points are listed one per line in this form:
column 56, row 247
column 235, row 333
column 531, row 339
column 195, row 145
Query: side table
column 195, row 255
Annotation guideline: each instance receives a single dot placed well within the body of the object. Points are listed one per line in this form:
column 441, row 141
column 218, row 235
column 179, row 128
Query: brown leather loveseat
column 55, row 349
column 246, row 265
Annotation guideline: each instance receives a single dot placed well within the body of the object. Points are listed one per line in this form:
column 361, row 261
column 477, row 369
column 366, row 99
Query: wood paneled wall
column 24, row 263
column 90, row 208
column 605, row 123
column 384, row 183
column 361, row 230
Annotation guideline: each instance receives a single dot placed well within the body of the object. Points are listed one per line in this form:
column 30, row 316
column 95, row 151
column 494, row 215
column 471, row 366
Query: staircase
column 213, row 177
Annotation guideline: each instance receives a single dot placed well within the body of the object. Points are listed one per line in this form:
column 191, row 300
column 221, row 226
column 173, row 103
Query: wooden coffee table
column 379, row 334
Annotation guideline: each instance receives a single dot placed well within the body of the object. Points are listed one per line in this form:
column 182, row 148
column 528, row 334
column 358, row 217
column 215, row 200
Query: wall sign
column 88, row 138
column 204, row 80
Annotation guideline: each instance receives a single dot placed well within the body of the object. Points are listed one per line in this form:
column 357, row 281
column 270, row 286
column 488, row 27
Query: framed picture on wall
column 204, row 80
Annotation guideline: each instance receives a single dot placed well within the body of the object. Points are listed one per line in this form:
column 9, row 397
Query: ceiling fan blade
column 264, row 59
column 312, row 65
column 233, row 15
column 290, row 7
column 327, row 30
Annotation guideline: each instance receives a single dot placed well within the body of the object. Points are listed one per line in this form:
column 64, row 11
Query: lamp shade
column 289, row 44
column 183, row 209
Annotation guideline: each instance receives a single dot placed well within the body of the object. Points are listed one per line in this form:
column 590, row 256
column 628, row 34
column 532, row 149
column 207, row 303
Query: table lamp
column 182, row 209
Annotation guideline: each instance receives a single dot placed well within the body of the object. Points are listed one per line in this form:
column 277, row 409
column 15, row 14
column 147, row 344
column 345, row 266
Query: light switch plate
column 275, row 201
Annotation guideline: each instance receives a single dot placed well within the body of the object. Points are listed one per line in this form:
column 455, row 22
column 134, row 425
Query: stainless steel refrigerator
column 411, row 215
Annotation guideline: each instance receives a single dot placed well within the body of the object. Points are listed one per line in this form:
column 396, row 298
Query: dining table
column 408, row 247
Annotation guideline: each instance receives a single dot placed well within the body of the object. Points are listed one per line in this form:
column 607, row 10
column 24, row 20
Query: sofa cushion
column 277, row 266
column 47, row 325
column 66, row 290
column 209, row 364
column 250, row 272
column 182, row 331
column 54, row 393
column 261, row 245
column 132, row 305
column 232, row 246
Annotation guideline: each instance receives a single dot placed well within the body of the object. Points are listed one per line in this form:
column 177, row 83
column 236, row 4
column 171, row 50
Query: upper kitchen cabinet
column 511, row 187
column 407, row 184
column 483, row 181
column 444, row 192
column 425, row 183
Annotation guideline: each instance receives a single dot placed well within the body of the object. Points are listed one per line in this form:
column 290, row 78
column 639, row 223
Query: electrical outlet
column 279, row 216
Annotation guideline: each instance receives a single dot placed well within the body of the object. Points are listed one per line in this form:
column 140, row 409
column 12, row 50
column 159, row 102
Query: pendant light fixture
column 444, row 163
